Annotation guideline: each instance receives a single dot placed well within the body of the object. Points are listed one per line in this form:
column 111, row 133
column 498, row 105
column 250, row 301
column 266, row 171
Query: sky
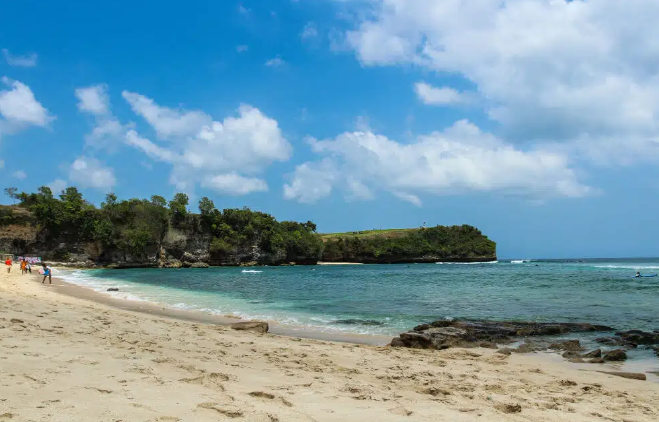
column 533, row 120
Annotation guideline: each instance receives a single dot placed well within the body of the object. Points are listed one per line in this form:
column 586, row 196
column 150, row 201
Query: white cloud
column 276, row 62
column 167, row 122
column 93, row 99
column 310, row 30
column 234, row 184
column 461, row 159
column 20, row 61
column 57, row 186
column 19, row 174
column 19, row 106
column 311, row 182
column 242, row 48
column 412, row 199
column 219, row 155
column 441, row 96
column 108, row 132
column 551, row 70
column 88, row 172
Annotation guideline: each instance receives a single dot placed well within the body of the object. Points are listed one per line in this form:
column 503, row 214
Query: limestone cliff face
column 190, row 249
column 193, row 246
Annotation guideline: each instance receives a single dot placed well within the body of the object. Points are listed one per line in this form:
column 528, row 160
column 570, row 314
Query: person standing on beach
column 23, row 267
column 8, row 264
column 47, row 272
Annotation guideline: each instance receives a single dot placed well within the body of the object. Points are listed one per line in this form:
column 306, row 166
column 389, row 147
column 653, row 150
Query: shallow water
column 388, row 299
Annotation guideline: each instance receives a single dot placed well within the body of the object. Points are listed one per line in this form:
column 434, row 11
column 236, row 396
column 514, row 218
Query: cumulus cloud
column 88, row 172
column 234, row 184
column 311, row 182
column 223, row 156
column 461, row 159
column 29, row 60
column 57, row 186
column 19, row 107
column 275, row 62
column 93, row 99
column 108, row 132
column 551, row 70
column 441, row 96
column 167, row 122
column 19, row 174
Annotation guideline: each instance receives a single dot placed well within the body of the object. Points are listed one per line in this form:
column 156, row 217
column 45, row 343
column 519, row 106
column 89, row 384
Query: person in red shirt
column 8, row 264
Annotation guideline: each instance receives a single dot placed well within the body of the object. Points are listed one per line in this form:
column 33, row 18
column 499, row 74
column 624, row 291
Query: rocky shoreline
column 534, row 336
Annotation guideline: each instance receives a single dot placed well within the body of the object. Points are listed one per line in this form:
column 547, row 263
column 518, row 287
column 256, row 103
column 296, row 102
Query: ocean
column 389, row 299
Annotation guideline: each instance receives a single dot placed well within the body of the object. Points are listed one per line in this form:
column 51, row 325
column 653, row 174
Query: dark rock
column 199, row 265
column 472, row 333
column 525, row 348
column 413, row 341
column 639, row 337
column 611, row 341
column 573, row 357
column 422, row 327
column 596, row 360
column 488, row 345
column 616, row 355
column 509, row 408
column 113, row 289
column 597, row 353
column 256, row 326
column 505, row 351
column 628, row 375
column 568, row 345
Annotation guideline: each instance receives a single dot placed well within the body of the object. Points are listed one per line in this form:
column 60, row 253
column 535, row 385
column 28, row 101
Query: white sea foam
column 466, row 263
column 251, row 271
column 629, row 267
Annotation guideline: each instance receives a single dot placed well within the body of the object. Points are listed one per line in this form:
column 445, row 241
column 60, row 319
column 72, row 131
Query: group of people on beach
column 26, row 267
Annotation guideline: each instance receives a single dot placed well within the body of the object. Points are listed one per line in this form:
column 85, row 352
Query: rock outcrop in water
column 465, row 333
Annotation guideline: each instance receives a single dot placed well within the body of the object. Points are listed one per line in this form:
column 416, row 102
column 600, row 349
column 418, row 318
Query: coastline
column 81, row 360
column 80, row 292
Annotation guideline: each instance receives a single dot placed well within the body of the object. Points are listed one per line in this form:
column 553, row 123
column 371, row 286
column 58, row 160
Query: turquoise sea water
column 388, row 299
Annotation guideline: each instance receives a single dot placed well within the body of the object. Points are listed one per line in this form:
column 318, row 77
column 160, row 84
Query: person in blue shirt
column 47, row 272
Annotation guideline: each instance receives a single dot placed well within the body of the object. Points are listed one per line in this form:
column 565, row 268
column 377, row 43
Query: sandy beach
column 66, row 358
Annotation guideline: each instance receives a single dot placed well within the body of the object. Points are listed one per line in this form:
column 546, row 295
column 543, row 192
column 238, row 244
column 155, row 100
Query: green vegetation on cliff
column 459, row 243
column 138, row 228
column 155, row 231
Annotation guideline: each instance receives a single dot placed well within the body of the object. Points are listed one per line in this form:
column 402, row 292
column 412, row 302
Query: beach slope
column 67, row 359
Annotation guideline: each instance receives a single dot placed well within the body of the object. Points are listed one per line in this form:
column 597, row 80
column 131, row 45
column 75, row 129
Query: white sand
column 68, row 359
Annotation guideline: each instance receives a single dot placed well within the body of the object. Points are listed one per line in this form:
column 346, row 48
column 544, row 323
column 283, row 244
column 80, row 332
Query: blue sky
column 534, row 121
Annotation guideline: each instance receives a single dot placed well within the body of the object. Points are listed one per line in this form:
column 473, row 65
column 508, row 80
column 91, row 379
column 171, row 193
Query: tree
column 206, row 206
column 11, row 192
column 178, row 207
column 110, row 201
column 159, row 201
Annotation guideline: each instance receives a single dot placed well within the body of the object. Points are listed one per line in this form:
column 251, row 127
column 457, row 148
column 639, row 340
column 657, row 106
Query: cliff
column 157, row 233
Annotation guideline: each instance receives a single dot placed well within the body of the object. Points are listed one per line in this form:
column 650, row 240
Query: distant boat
column 519, row 261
